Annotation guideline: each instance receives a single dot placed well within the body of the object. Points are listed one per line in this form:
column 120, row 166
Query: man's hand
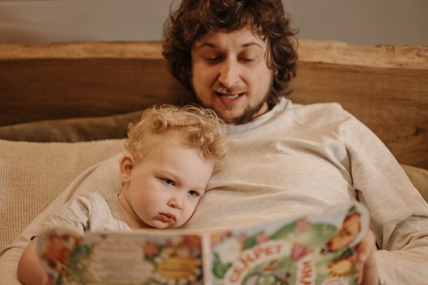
column 367, row 260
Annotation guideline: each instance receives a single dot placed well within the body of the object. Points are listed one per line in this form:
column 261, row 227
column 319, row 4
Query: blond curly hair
column 199, row 128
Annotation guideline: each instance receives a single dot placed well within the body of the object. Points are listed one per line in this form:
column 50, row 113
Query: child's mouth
column 167, row 217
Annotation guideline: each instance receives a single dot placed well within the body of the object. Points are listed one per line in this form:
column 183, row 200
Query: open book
column 313, row 249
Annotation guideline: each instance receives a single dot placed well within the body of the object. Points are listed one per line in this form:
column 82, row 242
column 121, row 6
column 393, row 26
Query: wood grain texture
column 386, row 87
column 56, row 81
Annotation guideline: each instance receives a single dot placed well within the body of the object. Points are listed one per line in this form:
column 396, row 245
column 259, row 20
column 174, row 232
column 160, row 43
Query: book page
column 120, row 258
column 307, row 250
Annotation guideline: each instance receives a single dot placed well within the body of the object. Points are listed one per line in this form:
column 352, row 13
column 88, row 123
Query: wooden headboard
column 386, row 87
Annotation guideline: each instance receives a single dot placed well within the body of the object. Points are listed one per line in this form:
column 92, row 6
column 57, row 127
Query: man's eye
column 169, row 182
column 247, row 59
column 213, row 59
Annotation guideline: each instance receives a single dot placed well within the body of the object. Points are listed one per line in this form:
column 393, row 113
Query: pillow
column 71, row 130
column 419, row 178
column 32, row 175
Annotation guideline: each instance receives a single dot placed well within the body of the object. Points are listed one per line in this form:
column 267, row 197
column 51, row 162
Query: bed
column 65, row 107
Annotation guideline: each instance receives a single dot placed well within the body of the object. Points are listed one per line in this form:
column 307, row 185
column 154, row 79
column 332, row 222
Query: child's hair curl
column 199, row 128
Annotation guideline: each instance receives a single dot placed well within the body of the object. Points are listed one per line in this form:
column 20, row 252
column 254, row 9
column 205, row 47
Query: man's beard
column 246, row 116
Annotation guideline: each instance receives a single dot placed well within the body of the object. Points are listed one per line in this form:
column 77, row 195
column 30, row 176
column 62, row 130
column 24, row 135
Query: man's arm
column 398, row 213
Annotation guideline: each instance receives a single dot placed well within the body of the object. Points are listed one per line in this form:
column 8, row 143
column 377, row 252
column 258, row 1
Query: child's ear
column 126, row 166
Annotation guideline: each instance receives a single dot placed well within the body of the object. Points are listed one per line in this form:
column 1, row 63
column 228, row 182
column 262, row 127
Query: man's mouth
column 229, row 96
column 167, row 217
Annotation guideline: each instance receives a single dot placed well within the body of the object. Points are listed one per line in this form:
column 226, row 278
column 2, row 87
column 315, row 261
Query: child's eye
column 193, row 193
column 169, row 182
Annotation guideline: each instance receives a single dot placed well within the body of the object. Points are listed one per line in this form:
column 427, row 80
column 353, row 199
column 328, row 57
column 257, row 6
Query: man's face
column 230, row 74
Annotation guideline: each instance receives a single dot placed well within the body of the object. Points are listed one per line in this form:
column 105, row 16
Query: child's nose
column 175, row 203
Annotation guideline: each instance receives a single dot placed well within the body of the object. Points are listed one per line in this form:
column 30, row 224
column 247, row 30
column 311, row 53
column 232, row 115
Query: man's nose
column 175, row 203
column 229, row 73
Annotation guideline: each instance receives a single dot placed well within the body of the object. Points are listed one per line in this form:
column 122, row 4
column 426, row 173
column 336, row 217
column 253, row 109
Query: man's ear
column 275, row 71
column 126, row 165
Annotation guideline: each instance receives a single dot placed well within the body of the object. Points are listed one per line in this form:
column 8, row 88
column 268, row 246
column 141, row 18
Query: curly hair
column 194, row 18
column 199, row 128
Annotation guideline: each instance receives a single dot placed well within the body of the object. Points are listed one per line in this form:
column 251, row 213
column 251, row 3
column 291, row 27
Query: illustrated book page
column 309, row 250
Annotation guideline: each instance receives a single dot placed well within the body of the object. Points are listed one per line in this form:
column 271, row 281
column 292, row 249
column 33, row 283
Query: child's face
column 162, row 189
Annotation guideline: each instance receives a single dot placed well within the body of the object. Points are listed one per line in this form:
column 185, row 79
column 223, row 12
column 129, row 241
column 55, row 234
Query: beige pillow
column 71, row 130
column 32, row 175
column 419, row 178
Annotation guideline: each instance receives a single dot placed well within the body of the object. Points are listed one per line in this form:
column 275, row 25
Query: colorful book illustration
column 308, row 250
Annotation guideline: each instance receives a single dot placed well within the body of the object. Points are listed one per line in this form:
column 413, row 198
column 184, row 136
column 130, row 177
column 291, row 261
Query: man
column 286, row 159
column 237, row 58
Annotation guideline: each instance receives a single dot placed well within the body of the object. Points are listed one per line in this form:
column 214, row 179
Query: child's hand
column 29, row 269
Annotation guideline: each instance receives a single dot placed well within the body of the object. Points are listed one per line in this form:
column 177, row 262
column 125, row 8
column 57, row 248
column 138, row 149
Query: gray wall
column 367, row 22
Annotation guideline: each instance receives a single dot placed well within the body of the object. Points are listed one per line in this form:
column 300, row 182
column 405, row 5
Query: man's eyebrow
column 211, row 45
column 251, row 44
column 207, row 44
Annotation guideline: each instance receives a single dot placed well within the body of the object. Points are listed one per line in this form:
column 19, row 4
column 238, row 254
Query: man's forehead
column 244, row 37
